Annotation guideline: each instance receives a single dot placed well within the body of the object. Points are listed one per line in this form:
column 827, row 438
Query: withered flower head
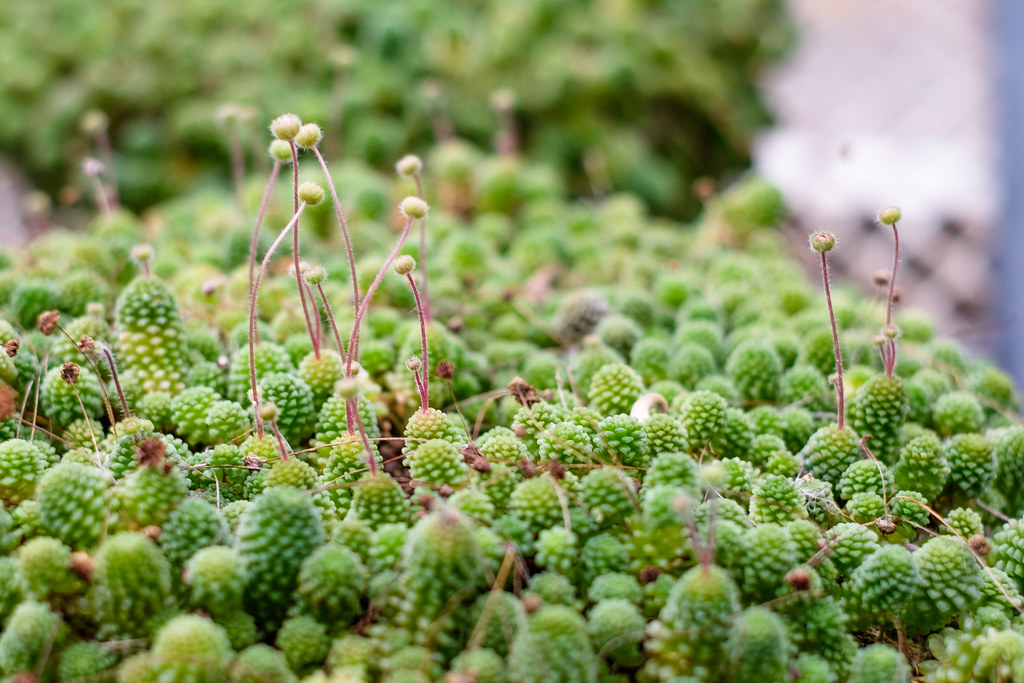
column 47, row 321
column 69, row 372
column 151, row 452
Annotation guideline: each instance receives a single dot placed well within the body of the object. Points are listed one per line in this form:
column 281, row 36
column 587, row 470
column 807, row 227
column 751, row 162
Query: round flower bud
column 823, row 242
column 413, row 364
column 409, row 165
column 311, row 193
column 142, row 253
column 404, row 264
column 348, row 387
column 891, row 331
column 269, row 412
column 285, row 126
column 889, row 215
column 315, row 275
column 413, row 207
column 93, row 121
column 92, row 167
column 309, row 136
column 281, row 151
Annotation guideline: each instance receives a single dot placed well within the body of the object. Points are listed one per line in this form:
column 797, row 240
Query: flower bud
column 285, row 126
column 142, row 253
column 269, row 412
column 347, row 388
column 280, row 150
column 404, row 264
column 823, row 242
column 413, row 207
column 315, row 275
column 311, row 193
column 413, row 364
column 93, row 121
column 309, row 136
column 889, row 215
column 409, row 165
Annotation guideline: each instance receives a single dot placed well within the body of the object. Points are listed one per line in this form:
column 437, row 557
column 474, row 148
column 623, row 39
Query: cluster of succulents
column 637, row 95
column 592, row 445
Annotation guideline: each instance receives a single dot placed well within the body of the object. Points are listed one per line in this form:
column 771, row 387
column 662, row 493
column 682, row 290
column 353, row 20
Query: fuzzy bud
column 47, row 322
column 823, row 242
column 11, row 347
column 280, row 150
column 269, row 412
column 881, row 278
column 409, row 166
column 889, row 215
column 92, row 167
column 311, row 193
column 347, row 388
column 413, row 207
column 309, row 136
column 142, row 253
column 315, row 275
column 891, row 332
column 285, row 126
column 413, row 364
column 93, row 121
column 404, row 264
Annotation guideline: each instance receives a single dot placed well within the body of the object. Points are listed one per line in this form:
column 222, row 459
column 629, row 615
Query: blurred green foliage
column 639, row 95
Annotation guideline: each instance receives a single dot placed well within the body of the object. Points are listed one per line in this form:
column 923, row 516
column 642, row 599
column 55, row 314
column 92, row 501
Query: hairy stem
column 840, row 393
column 252, row 313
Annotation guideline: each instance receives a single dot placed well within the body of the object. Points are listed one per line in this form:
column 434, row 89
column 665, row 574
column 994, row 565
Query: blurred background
column 846, row 105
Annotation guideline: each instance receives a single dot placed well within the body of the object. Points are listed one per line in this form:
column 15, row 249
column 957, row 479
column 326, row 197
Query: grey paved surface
column 895, row 102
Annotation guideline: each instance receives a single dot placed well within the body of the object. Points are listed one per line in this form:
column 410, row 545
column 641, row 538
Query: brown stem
column 117, row 381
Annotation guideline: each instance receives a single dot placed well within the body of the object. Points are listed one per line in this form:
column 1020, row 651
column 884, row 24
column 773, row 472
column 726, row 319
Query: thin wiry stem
column 352, row 408
column 344, row 229
column 259, row 222
column 425, row 384
column 840, row 393
column 252, row 314
column 890, row 359
column 423, row 251
column 353, row 348
column 333, row 322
